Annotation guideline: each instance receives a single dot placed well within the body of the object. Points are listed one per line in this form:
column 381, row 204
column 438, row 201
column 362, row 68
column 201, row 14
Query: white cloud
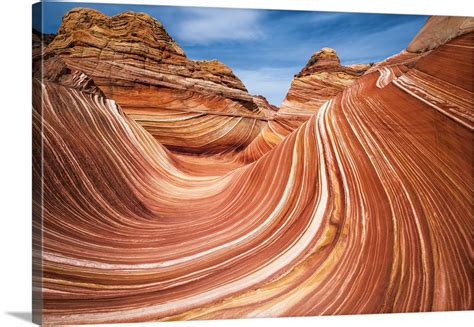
column 204, row 26
column 326, row 17
column 272, row 83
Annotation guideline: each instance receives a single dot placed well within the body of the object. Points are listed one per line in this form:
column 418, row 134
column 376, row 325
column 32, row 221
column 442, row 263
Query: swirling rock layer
column 321, row 79
column 189, row 106
column 366, row 207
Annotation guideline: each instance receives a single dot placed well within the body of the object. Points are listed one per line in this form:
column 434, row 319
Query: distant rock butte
column 322, row 78
column 195, row 106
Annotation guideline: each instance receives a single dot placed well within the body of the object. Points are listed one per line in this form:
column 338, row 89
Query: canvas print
column 209, row 163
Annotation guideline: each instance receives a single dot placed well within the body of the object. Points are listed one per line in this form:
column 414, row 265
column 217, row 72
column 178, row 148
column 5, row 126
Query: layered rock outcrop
column 39, row 41
column 365, row 207
column 133, row 60
column 322, row 78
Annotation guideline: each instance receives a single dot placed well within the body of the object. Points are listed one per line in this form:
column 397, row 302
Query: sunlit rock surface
column 365, row 206
column 438, row 30
column 322, row 78
column 189, row 106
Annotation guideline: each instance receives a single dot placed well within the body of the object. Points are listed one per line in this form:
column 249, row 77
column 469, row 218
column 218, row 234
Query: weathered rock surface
column 133, row 60
column 322, row 78
column 40, row 40
column 438, row 30
column 49, row 67
column 365, row 207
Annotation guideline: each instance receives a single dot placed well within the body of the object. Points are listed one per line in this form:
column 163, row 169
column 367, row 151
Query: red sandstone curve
column 270, row 136
column 365, row 208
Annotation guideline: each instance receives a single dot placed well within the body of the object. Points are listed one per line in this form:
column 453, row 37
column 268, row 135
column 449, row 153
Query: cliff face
column 48, row 66
column 191, row 106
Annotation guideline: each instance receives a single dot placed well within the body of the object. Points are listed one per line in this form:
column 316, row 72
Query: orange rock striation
column 133, row 60
column 322, row 78
column 366, row 207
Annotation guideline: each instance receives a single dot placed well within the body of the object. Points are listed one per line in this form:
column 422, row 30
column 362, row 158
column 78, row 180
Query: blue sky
column 265, row 48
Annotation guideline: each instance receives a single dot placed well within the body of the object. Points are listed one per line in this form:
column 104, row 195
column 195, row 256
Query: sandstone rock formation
column 322, row 78
column 133, row 60
column 439, row 30
column 42, row 39
column 364, row 207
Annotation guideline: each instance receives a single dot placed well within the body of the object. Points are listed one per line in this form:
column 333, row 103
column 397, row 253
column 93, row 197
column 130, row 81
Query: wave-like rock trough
column 364, row 205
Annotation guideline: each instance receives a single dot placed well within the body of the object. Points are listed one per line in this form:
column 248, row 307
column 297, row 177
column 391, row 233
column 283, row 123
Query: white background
column 15, row 155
